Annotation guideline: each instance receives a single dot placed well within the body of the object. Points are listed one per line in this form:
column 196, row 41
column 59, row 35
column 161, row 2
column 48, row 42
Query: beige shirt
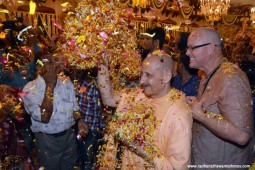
column 228, row 94
column 172, row 137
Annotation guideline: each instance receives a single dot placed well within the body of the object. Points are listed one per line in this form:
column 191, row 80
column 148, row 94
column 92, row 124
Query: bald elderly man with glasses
column 222, row 111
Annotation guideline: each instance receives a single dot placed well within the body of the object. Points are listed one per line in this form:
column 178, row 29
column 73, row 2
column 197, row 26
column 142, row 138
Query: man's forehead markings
column 147, row 63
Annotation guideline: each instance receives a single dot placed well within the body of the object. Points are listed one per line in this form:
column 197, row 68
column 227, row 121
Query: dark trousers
column 28, row 137
column 88, row 149
column 57, row 152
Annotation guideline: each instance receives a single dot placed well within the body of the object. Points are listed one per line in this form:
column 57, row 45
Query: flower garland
column 135, row 123
column 213, row 115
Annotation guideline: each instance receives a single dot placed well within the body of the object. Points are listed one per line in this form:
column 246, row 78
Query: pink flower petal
column 83, row 56
column 3, row 60
column 23, row 94
column 103, row 35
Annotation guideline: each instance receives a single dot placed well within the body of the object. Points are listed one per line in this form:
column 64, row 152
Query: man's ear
column 167, row 77
column 156, row 43
column 211, row 49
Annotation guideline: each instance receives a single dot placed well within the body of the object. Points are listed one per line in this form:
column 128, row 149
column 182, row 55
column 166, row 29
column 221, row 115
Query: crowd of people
column 192, row 107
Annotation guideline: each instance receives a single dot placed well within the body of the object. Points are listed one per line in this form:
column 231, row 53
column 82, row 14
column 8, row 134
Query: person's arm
column 4, row 114
column 47, row 105
column 137, row 150
column 109, row 98
column 220, row 125
column 235, row 121
column 40, row 112
column 81, row 125
column 38, row 100
column 77, row 116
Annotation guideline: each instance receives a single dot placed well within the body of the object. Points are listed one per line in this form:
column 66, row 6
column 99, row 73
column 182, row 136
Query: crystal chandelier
column 140, row 3
column 253, row 15
column 214, row 7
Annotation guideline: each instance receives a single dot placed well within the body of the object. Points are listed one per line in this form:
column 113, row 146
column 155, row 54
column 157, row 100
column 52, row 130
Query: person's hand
column 136, row 148
column 105, row 58
column 82, row 128
column 196, row 107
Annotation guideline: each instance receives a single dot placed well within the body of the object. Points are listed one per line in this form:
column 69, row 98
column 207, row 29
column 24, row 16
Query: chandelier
column 253, row 15
column 214, row 8
column 140, row 3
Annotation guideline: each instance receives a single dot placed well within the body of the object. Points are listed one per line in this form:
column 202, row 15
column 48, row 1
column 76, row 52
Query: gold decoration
column 159, row 4
column 140, row 3
column 186, row 11
column 123, row 3
column 214, row 7
column 229, row 19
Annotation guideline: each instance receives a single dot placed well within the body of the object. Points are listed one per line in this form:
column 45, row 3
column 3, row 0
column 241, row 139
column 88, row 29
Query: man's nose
column 142, row 80
column 188, row 52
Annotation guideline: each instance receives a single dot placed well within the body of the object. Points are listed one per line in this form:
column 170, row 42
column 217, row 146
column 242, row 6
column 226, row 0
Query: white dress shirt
column 63, row 107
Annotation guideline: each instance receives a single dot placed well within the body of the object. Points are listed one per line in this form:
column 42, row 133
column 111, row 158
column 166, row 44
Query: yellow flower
column 2, row 35
column 81, row 38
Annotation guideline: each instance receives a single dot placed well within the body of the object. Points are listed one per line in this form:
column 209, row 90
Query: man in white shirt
column 50, row 100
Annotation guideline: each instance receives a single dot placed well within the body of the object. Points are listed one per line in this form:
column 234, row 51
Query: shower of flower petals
column 95, row 28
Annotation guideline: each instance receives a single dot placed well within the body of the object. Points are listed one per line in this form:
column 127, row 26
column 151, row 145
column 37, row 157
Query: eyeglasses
column 198, row 46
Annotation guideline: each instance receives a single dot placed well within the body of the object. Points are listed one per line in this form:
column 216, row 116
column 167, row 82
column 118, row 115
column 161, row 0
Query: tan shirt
column 173, row 135
column 228, row 93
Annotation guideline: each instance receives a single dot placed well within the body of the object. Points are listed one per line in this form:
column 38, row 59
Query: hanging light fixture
column 140, row 3
column 215, row 8
column 252, row 15
column 32, row 7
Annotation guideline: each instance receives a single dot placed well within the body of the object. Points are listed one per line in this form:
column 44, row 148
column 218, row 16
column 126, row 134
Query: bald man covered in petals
column 222, row 111
column 173, row 132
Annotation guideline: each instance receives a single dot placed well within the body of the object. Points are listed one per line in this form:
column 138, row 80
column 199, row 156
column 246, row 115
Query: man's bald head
column 207, row 35
column 157, row 71
column 164, row 62
column 204, row 49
